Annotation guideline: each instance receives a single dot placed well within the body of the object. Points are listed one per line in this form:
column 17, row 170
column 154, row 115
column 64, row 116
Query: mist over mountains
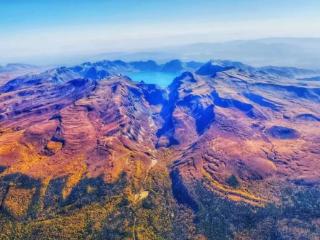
column 293, row 52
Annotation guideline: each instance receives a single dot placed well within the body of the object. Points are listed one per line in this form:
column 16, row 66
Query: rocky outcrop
column 211, row 69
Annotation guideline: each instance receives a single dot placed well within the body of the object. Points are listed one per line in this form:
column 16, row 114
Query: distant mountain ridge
column 102, row 69
column 11, row 67
column 99, row 70
column 293, row 52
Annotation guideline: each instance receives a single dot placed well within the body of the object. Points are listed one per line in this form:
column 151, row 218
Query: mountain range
column 226, row 151
column 293, row 52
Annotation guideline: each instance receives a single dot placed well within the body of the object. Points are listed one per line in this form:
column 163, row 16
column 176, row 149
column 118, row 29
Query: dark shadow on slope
column 312, row 94
column 261, row 101
column 307, row 117
column 221, row 218
column 20, row 181
column 2, row 169
column 203, row 114
column 153, row 94
column 90, row 190
column 180, row 191
column 246, row 108
column 280, row 132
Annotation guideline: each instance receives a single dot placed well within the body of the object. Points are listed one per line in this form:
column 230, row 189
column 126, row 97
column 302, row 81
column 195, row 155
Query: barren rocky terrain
column 226, row 151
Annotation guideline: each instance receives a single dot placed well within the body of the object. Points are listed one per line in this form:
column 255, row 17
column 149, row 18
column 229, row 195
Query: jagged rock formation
column 225, row 152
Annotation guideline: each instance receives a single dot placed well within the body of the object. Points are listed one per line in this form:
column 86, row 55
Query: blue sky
column 36, row 28
column 17, row 14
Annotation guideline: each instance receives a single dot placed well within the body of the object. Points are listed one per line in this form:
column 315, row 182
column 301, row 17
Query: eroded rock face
column 74, row 138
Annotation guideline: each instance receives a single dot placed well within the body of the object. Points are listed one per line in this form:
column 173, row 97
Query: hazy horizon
column 293, row 52
column 63, row 31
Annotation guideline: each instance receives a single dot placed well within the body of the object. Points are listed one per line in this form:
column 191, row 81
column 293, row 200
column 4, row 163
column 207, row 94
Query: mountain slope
column 227, row 151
